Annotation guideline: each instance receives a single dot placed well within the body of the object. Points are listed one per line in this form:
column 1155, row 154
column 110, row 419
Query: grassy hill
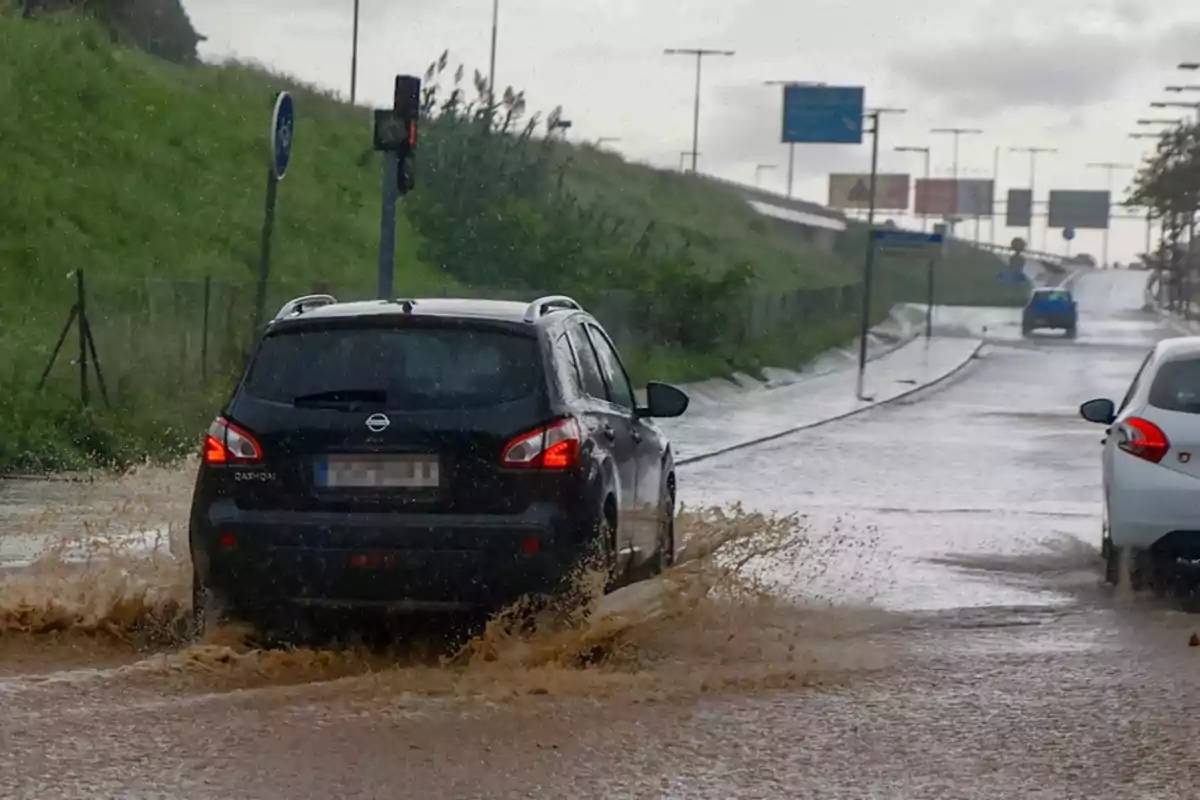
column 150, row 177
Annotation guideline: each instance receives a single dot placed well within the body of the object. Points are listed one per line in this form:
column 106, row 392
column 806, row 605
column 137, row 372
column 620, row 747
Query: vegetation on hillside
column 150, row 176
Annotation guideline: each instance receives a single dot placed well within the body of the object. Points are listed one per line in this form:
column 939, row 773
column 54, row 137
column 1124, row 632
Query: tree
column 1169, row 185
column 160, row 27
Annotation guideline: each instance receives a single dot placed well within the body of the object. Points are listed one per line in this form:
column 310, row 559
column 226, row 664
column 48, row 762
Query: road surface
column 943, row 634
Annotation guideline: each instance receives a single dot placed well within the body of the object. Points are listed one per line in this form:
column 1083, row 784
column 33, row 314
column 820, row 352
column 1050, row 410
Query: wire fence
column 171, row 337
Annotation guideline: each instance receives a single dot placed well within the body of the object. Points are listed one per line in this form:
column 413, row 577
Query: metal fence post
column 204, row 328
column 80, row 303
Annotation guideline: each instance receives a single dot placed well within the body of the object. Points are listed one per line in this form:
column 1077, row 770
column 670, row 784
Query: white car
column 1151, row 465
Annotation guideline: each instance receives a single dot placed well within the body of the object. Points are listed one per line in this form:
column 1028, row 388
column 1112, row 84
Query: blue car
column 1050, row 308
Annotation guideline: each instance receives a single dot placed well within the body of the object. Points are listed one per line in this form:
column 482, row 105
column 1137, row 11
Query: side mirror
column 1101, row 411
column 664, row 400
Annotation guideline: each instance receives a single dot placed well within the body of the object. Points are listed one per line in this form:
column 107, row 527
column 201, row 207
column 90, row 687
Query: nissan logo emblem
column 378, row 423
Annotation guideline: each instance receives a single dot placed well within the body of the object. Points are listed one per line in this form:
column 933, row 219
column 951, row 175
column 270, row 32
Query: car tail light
column 1144, row 439
column 554, row 446
column 226, row 443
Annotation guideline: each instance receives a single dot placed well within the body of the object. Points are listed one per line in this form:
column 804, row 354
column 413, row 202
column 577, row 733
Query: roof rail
column 299, row 305
column 543, row 305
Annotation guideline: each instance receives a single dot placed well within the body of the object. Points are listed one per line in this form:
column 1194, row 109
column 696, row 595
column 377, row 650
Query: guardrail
column 819, row 216
column 1037, row 255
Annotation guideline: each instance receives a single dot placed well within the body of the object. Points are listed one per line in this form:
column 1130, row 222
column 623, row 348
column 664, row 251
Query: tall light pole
column 758, row 171
column 492, row 60
column 791, row 174
column 1034, row 152
column 354, row 58
column 996, row 183
column 956, row 133
column 926, row 151
column 874, row 115
column 700, row 54
column 683, row 154
column 1109, row 167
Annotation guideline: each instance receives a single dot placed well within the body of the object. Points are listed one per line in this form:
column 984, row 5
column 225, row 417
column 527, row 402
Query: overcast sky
column 1068, row 74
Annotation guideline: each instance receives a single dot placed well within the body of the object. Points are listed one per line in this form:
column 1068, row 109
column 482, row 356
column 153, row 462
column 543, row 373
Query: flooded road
column 908, row 606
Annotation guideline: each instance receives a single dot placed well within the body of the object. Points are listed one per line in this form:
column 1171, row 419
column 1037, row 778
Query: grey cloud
column 983, row 78
column 1061, row 70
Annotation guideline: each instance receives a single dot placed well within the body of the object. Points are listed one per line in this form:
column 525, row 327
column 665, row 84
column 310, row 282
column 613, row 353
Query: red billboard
column 946, row 197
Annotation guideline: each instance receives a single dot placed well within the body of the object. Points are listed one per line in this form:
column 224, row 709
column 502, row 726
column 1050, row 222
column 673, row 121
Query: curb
column 900, row 342
column 952, row 372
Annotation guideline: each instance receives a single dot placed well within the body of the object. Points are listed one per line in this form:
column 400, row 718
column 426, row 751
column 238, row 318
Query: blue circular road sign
column 1068, row 233
column 283, row 123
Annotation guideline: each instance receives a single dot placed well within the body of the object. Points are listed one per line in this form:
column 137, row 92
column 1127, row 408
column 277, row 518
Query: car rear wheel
column 664, row 559
column 1145, row 571
column 606, row 538
column 206, row 609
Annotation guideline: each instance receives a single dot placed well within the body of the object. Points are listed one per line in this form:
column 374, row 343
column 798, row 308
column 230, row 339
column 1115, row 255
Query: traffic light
column 408, row 112
column 396, row 130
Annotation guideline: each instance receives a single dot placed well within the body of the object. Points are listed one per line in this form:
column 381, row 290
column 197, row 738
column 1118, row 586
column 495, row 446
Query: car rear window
column 1176, row 387
column 416, row 368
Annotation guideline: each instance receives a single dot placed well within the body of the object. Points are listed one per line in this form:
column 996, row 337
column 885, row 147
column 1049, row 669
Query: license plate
column 378, row 472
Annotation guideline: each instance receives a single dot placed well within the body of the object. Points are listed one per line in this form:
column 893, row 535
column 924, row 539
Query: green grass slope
column 150, row 177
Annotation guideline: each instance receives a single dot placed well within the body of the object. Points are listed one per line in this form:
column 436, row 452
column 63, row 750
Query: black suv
column 426, row 455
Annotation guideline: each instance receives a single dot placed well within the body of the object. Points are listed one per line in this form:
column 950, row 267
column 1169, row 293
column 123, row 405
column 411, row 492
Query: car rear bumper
column 1151, row 507
column 395, row 563
column 1049, row 322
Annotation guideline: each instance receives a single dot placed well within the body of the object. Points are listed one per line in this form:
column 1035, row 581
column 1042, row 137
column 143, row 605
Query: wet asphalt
column 968, row 650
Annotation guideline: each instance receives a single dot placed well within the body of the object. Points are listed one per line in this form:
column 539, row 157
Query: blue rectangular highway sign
column 887, row 237
column 823, row 114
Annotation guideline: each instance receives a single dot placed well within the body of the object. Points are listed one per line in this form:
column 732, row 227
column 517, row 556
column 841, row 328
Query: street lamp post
column 1033, row 154
column 492, row 59
column 874, row 115
column 926, row 151
column 683, row 155
column 956, row 133
column 791, row 173
column 700, row 54
column 1109, row 167
column 354, row 58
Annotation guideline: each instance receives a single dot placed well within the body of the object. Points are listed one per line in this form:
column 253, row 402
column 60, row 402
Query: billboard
column 1079, row 209
column 1018, row 211
column 853, row 191
column 823, row 114
column 946, row 197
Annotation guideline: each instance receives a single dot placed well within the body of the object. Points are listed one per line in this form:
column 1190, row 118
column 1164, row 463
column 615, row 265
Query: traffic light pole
column 869, row 265
column 396, row 138
column 387, row 225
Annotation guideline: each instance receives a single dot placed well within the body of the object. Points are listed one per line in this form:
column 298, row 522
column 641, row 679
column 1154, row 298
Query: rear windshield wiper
column 340, row 397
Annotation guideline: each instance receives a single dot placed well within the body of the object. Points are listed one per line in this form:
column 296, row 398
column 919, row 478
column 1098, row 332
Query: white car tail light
column 1142, row 438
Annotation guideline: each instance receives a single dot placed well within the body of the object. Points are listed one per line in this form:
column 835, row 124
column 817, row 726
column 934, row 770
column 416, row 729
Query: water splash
column 713, row 622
